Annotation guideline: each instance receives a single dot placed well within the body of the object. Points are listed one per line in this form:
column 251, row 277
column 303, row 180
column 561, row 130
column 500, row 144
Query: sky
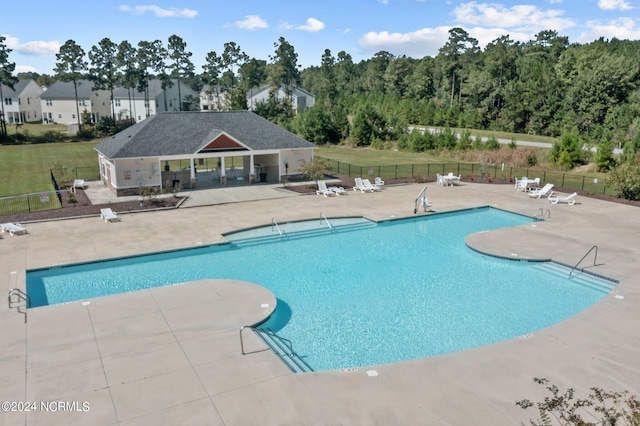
column 415, row 28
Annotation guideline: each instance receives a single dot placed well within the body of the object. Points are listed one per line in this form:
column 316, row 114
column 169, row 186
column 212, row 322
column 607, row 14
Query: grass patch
column 25, row 168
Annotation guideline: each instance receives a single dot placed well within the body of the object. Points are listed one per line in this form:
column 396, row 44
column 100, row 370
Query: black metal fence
column 34, row 202
column 589, row 184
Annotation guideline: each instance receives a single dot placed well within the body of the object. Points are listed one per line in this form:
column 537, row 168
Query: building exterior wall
column 126, row 176
column 168, row 100
column 294, row 158
column 136, row 109
column 29, row 101
column 64, row 111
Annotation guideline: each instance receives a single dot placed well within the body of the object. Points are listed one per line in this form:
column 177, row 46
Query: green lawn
column 26, row 168
column 373, row 157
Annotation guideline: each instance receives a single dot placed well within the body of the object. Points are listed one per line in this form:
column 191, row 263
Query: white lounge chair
column 108, row 215
column 359, row 186
column 13, row 228
column 378, row 181
column 323, row 190
column 569, row 199
column 78, row 184
column 338, row 190
column 440, row 179
column 545, row 191
column 368, row 185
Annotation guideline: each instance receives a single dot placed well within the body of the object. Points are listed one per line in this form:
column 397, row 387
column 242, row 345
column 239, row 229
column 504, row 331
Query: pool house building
column 200, row 149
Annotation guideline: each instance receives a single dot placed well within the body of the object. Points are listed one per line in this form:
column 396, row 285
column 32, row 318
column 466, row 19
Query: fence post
column 562, row 181
column 396, row 171
column 583, row 182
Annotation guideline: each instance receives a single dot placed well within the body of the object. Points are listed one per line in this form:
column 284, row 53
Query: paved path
column 171, row 355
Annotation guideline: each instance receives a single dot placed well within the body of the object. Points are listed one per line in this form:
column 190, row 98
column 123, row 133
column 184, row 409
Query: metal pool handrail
column 274, row 223
column 595, row 258
column 257, row 330
column 322, row 216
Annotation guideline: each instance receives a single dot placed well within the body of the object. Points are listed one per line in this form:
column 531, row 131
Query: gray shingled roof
column 186, row 133
column 8, row 92
column 64, row 90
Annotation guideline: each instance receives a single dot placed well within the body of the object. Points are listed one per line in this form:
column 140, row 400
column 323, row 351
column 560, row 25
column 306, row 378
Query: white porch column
column 192, row 168
column 252, row 170
column 223, row 175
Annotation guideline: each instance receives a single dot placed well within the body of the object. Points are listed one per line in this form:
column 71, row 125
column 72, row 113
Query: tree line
column 581, row 93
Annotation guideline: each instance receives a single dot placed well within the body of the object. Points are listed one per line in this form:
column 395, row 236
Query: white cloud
column 24, row 68
column 313, row 25
column 614, row 5
column 33, row 48
column 424, row 42
column 623, row 29
column 527, row 18
column 252, row 22
column 555, row 1
column 172, row 12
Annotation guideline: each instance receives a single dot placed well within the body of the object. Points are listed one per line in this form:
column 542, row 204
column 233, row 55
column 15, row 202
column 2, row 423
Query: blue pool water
column 360, row 295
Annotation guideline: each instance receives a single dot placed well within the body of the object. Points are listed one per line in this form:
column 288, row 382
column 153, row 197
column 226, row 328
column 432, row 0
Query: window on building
column 7, row 101
column 73, row 116
column 118, row 102
column 49, row 102
column 59, row 115
column 81, row 102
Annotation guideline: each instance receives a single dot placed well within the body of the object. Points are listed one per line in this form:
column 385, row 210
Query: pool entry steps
column 581, row 277
column 294, row 230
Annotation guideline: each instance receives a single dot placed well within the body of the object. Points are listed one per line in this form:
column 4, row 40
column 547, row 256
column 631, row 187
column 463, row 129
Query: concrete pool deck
column 171, row 355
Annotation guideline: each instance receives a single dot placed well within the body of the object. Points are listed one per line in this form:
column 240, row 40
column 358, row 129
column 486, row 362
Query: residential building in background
column 22, row 103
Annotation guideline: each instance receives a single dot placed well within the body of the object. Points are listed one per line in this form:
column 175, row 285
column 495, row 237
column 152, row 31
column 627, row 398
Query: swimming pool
column 360, row 294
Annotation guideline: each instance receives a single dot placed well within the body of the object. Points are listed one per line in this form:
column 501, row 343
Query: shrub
column 625, row 180
column 613, row 408
column 315, row 169
column 492, row 143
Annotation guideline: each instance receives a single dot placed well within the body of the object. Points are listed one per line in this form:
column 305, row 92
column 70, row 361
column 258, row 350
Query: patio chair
column 78, row 184
column 569, row 199
column 108, row 215
column 13, row 228
column 545, row 191
column 378, row 181
column 323, row 190
column 359, row 186
column 337, row 190
column 367, row 184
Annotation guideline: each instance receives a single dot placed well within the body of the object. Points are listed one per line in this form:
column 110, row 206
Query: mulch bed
column 83, row 207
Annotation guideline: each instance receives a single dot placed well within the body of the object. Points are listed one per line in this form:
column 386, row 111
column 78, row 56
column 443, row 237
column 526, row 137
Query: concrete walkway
column 171, row 355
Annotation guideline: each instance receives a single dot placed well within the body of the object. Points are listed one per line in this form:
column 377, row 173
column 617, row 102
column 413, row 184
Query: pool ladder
column 541, row 213
column 16, row 298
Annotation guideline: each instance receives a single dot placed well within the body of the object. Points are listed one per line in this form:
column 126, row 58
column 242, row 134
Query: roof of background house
column 64, row 90
column 186, row 133
column 8, row 92
column 297, row 91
